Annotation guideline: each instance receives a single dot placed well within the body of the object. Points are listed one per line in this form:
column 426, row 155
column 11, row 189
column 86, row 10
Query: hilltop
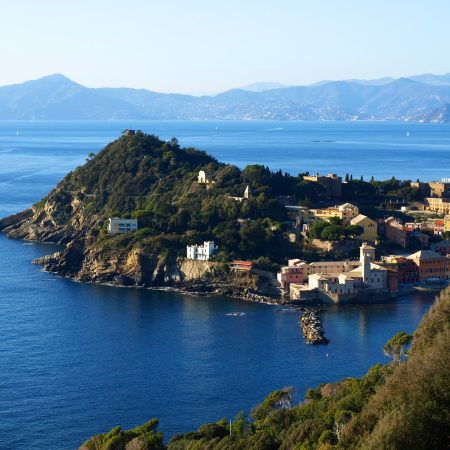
column 143, row 177
column 57, row 97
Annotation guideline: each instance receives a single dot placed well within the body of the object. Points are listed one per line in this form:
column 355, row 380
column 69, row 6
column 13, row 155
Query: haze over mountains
column 417, row 98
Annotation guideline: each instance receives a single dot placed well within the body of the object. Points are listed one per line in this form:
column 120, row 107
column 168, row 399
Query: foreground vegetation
column 402, row 405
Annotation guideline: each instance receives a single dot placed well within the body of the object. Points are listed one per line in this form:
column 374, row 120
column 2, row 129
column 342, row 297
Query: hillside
column 404, row 406
column 57, row 97
column 143, row 177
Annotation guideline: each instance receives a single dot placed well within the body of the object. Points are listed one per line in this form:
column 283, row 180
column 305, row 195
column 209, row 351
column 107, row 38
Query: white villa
column 117, row 225
column 201, row 252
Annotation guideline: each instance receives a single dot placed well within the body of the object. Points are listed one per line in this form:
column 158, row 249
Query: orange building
column 430, row 264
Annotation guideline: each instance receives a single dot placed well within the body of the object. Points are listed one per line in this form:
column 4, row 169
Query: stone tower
column 366, row 256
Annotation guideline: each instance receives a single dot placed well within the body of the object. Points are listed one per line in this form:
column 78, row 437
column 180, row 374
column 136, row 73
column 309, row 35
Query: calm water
column 77, row 359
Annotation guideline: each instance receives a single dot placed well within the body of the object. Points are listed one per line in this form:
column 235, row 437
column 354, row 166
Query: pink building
column 292, row 273
column 395, row 232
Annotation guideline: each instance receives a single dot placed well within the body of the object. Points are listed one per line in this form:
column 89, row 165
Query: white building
column 201, row 252
column 202, row 178
column 117, row 225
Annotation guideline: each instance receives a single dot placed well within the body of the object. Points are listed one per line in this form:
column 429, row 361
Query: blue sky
column 199, row 46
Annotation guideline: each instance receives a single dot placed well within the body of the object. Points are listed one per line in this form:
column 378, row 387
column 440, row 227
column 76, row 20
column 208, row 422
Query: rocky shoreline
column 195, row 288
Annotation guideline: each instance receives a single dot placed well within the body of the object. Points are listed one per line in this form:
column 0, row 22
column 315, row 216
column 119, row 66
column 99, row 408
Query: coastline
column 247, row 296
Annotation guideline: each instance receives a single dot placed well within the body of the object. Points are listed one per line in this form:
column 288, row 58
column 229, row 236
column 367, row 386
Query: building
column 395, row 232
column 247, row 195
column 241, row 266
column 368, row 225
column 331, row 182
column 301, row 215
column 201, row 252
column 355, row 278
column 407, row 270
column 441, row 247
column 447, row 224
column 431, row 265
column 128, row 132
column 403, row 235
column 439, row 205
column 438, row 227
column 422, row 187
column 423, row 238
column 292, row 273
column 117, row 225
column 345, row 212
column 440, row 189
column 203, row 178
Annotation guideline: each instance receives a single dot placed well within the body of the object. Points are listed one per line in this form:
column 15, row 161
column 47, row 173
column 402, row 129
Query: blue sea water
column 77, row 359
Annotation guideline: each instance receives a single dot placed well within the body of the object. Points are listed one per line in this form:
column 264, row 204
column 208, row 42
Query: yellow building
column 345, row 212
column 440, row 205
column 369, row 226
column 447, row 224
column 439, row 188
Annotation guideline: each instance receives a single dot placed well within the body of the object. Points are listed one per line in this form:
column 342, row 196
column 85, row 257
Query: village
column 358, row 257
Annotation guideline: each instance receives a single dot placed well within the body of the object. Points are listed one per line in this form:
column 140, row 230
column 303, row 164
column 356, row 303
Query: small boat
column 235, row 314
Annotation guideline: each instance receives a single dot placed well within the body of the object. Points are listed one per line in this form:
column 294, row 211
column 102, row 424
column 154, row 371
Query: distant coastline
column 405, row 99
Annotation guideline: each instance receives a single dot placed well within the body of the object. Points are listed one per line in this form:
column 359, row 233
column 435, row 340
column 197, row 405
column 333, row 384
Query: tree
column 316, row 229
column 332, row 233
column 353, row 230
column 395, row 347
column 281, row 399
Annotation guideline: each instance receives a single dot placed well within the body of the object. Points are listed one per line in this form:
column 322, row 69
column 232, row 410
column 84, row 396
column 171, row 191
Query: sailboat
column 17, row 133
column 407, row 134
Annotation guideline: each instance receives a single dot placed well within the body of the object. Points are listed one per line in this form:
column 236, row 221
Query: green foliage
column 395, row 347
column 144, row 437
column 334, row 230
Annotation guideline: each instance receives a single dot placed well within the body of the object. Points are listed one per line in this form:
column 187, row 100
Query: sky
column 209, row 46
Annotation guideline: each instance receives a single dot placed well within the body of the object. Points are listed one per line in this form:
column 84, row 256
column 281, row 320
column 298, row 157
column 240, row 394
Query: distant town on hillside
column 421, row 98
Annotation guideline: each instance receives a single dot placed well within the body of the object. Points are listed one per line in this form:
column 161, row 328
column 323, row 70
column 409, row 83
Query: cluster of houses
column 339, row 281
column 336, row 281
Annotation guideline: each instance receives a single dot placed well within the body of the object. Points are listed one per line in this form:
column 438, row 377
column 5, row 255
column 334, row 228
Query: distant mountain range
column 417, row 98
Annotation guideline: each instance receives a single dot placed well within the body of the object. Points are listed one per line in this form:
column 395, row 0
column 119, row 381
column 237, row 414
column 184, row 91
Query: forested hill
column 57, row 97
column 140, row 176
column 399, row 406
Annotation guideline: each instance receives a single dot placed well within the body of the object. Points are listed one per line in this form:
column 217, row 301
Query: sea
column 78, row 359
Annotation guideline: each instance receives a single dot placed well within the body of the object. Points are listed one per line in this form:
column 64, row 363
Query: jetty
column 311, row 327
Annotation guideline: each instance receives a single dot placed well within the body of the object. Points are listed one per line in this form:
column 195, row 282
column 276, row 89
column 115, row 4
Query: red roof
column 242, row 263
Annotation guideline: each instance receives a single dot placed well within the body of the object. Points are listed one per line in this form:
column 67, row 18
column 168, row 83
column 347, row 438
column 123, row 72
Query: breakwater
column 312, row 328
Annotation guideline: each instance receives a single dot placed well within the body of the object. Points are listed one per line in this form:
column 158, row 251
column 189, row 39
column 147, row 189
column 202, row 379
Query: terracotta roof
column 425, row 254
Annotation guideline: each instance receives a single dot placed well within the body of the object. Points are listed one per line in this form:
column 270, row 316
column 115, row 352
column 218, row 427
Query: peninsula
column 148, row 213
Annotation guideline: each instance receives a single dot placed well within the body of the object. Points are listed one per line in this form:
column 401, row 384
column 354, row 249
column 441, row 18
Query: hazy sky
column 197, row 46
